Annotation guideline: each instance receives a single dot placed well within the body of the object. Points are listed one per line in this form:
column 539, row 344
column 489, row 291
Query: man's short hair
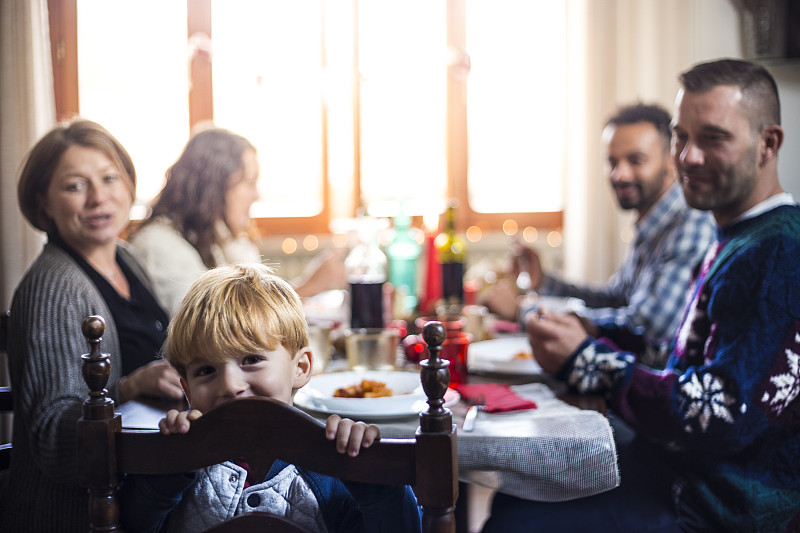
column 235, row 310
column 756, row 83
column 651, row 113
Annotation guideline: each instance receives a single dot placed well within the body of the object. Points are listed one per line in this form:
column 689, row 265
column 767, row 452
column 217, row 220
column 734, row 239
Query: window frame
column 63, row 39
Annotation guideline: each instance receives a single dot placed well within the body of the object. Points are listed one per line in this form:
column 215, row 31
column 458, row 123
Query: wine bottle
column 451, row 249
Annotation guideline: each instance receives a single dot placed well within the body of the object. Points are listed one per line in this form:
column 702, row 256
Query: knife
column 469, row 420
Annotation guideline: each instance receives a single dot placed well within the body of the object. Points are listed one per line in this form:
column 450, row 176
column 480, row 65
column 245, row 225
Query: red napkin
column 497, row 398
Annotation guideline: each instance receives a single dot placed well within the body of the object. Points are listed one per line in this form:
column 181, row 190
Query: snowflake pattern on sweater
column 783, row 386
column 704, row 398
column 726, row 406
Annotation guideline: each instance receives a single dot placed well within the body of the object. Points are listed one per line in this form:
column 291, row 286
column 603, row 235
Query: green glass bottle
column 403, row 253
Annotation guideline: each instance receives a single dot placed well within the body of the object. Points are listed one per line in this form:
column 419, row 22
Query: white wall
column 787, row 75
column 717, row 32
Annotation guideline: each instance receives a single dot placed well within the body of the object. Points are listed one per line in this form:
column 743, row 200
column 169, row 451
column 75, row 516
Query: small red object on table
column 497, row 398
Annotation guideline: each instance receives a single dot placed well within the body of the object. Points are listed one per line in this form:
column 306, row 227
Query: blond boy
column 241, row 332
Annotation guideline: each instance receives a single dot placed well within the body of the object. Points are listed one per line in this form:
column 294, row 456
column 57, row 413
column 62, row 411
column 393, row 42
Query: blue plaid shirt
column 648, row 291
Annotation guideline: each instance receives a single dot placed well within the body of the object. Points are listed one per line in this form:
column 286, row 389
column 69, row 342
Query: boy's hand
column 178, row 421
column 350, row 436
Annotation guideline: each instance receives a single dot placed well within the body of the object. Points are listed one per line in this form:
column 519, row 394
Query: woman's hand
column 178, row 421
column 553, row 337
column 324, row 272
column 350, row 436
column 157, row 379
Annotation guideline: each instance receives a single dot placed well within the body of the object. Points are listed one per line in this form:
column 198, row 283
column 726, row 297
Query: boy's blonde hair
column 233, row 311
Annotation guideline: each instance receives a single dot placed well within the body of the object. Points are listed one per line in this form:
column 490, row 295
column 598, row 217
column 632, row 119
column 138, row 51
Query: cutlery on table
column 472, row 413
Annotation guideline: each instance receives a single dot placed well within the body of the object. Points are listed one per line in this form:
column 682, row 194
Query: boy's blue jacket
column 196, row 502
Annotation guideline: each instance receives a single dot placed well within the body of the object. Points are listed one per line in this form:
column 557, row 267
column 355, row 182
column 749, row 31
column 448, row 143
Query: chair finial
column 435, row 376
column 93, row 328
column 96, row 370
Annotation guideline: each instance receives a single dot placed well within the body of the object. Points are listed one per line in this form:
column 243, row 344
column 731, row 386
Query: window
column 403, row 106
column 350, row 102
column 135, row 86
column 267, row 86
column 515, row 106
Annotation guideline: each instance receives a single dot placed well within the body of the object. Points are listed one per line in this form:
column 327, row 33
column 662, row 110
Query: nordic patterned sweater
column 726, row 408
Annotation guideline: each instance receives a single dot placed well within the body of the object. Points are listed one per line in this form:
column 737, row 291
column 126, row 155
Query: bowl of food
column 379, row 393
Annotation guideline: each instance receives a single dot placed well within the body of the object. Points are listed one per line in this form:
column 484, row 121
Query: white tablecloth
column 556, row 452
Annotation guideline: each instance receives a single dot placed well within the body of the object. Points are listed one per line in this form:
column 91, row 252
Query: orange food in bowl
column 366, row 389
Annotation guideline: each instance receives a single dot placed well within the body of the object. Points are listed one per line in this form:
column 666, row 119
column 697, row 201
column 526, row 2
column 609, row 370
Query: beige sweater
column 174, row 264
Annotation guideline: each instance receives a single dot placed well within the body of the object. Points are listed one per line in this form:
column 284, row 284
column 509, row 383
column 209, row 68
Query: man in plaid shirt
column 648, row 291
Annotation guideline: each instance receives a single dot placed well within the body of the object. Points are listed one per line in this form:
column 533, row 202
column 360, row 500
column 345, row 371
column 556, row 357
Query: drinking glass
column 455, row 349
column 371, row 348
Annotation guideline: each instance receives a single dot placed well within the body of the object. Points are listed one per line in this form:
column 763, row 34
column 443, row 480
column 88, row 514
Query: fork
column 476, row 405
column 524, row 277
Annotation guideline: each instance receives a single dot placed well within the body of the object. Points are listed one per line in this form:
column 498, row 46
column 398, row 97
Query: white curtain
column 27, row 111
column 619, row 52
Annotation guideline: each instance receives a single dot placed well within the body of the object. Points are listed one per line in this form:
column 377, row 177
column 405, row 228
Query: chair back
column 106, row 451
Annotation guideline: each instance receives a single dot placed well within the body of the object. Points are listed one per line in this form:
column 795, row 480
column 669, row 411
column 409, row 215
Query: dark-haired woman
column 201, row 217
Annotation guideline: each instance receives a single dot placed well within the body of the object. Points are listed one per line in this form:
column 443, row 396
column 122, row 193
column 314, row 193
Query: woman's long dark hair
column 193, row 197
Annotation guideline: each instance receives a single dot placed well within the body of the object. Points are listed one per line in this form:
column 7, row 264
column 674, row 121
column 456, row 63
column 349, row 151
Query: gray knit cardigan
column 45, row 343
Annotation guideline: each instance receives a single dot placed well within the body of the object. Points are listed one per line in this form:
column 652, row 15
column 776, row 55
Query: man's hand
column 501, row 298
column 553, row 337
column 350, row 436
column 324, row 272
column 524, row 259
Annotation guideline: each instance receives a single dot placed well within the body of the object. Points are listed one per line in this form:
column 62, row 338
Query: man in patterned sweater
column 718, row 431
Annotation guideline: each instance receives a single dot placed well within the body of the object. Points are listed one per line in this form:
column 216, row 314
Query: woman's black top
column 140, row 320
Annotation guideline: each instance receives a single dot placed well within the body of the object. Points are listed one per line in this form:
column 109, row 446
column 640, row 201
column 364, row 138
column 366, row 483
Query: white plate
column 408, row 398
column 497, row 356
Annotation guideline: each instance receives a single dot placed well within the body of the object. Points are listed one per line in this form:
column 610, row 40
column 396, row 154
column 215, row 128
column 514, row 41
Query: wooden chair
column 106, row 451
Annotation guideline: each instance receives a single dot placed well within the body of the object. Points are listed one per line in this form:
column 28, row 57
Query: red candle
column 433, row 272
